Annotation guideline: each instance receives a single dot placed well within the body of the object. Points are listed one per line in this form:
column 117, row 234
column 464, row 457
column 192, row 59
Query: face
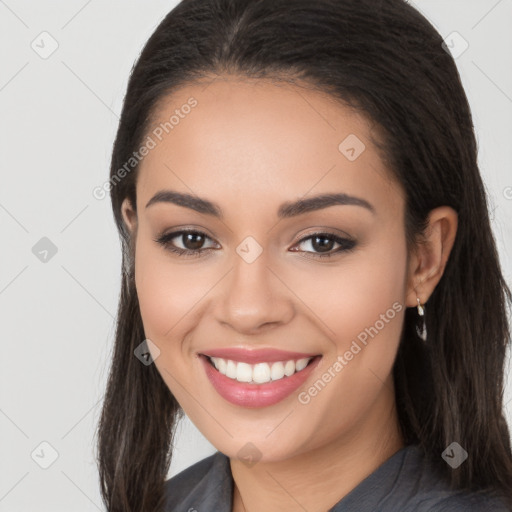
column 259, row 287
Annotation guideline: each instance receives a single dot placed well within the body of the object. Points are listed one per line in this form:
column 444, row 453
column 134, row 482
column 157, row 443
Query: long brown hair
column 386, row 60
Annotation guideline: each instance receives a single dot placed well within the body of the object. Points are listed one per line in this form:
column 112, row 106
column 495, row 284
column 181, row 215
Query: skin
column 251, row 145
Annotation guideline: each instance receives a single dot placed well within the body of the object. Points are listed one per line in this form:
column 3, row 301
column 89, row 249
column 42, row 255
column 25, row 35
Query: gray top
column 403, row 483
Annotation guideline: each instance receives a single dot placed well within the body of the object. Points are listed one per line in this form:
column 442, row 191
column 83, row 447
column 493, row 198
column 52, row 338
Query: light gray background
column 58, row 121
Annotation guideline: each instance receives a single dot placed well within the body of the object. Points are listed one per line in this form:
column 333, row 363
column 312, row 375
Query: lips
column 262, row 391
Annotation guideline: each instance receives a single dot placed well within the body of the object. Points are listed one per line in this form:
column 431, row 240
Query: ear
column 427, row 263
column 129, row 215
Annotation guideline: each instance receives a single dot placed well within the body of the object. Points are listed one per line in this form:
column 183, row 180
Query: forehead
column 256, row 139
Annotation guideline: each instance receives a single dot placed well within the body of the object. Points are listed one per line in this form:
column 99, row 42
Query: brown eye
column 322, row 244
column 191, row 242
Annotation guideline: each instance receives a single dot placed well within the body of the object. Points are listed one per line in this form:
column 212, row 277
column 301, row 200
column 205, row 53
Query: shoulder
column 182, row 485
column 191, row 475
column 424, row 489
column 196, row 481
column 462, row 502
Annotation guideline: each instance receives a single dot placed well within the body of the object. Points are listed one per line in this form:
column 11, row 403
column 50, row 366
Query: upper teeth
column 261, row 372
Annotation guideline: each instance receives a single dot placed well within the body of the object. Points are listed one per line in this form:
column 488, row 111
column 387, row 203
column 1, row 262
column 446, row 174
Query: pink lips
column 256, row 395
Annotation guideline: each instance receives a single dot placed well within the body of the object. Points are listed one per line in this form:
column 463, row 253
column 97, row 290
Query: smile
column 266, row 380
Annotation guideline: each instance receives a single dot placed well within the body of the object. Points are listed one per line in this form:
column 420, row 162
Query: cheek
column 356, row 293
column 373, row 289
column 166, row 295
column 364, row 320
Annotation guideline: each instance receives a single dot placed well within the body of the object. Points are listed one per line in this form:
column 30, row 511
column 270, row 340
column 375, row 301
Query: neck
column 317, row 479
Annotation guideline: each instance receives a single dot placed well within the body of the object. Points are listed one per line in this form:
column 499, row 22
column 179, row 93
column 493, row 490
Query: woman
column 309, row 271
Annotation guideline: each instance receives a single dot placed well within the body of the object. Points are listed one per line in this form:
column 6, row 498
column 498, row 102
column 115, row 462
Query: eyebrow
column 286, row 210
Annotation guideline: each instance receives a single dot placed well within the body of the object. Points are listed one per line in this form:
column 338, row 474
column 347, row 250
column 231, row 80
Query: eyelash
column 346, row 244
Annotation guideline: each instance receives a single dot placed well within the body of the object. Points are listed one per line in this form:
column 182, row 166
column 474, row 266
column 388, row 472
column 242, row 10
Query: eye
column 192, row 242
column 324, row 242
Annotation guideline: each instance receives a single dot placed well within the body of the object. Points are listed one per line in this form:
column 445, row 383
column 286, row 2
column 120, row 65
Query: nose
column 252, row 298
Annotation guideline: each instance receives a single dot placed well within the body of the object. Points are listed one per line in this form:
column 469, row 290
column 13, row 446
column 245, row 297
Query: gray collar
column 208, row 485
